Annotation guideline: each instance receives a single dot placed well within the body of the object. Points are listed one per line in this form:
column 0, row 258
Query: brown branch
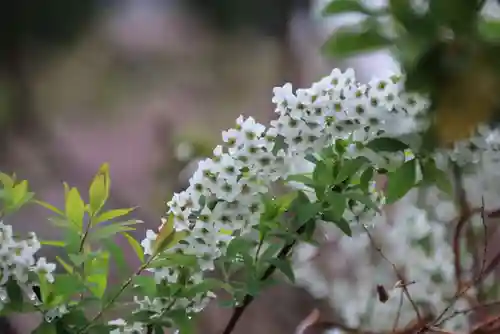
column 396, row 271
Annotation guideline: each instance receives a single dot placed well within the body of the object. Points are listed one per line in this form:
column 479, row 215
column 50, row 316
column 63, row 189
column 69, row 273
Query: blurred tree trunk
column 21, row 119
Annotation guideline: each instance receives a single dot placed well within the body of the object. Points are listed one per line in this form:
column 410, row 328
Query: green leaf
column 344, row 226
column 96, row 273
column 437, row 176
column 285, row 267
column 167, row 236
column 284, row 201
column 75, row 208
column 99, row 189
column 350, row 168
column 117, row 254
column 65, row 265
column 146, row 284
column 50, row 207
column 307, row 211
column 323, row 173
column 112, row 214
column 184, row 324
column 337, row 204
column 7, row 180
column 135, row 246
column 72, row 240
column 15, row 296
column 362, row 198
column 110, row 230
column 384, row 144
column 67, row 286
column 170, row 260
column 46, row 328
column 362, row 38
column 400, row 181
column 45, row 289
column 301, row 178
column 20, row 194
column 366, row 178
column 270, row 251
column 346, row 6
column 75, row 317
column 55, row 243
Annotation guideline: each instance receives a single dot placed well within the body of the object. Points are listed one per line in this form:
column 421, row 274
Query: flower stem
column 248, row 299
column 112, row 300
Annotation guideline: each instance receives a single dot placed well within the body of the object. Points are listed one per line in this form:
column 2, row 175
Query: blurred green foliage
column 448, row 51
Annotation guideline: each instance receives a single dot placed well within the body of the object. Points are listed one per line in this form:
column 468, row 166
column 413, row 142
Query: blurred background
column 126, row 81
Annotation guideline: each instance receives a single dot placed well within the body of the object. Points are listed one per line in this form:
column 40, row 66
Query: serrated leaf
column 99, row 189
column 75, row 208
column 112, row 214
column 135, row 246
column 285, row 267
column 385, row 144
column 400, row 181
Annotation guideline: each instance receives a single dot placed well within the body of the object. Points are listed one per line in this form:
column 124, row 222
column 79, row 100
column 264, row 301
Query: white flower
column 147, row 243
column 45, row 269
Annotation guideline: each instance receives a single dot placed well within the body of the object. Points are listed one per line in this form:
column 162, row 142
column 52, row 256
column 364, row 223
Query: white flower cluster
column 224, row 192
column 415, row 237
column 17, row 260
column 417, row 246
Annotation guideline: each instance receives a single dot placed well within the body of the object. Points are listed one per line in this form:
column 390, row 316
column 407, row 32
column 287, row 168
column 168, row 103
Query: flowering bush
column 264, row 193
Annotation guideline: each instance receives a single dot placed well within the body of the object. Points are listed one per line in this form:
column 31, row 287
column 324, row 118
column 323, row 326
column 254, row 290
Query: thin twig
column 485, row 230
column 396, row 271
column 465, row 215
column 115, row 296
column 467, row 311
column 398, row 314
